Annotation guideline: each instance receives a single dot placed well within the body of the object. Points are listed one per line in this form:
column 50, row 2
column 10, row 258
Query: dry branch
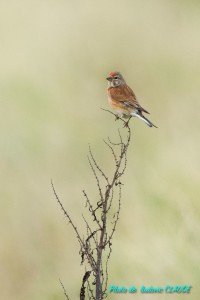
column 96, row 246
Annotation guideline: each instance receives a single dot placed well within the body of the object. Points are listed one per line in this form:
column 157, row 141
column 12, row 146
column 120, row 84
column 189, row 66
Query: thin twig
column 97, row 166
column 90, row 258
column 96, row 177
column 64, row 290
column 91, row 210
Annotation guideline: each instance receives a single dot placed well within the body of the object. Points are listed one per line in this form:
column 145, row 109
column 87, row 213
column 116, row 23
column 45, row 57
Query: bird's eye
column 116, row 77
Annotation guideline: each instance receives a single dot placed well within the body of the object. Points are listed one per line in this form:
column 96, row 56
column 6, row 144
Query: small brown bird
column 123, row 100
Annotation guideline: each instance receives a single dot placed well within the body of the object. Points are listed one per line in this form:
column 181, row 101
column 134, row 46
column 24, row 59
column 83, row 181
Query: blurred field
column 54, row 58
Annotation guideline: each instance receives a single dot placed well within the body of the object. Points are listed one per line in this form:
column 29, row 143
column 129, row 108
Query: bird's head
column 115, row 79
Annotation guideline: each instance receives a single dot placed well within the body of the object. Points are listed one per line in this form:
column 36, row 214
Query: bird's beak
column 109, row 78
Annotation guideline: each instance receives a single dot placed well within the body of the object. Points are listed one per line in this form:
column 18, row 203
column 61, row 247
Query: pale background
column 54, row 57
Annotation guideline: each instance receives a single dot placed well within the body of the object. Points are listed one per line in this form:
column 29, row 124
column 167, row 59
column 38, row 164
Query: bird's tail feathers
column 143, row 118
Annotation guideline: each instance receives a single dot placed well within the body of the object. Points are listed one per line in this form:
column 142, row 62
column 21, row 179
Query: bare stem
column 96, row 243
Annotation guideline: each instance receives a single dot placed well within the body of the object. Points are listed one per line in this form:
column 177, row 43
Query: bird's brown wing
column 125, row 95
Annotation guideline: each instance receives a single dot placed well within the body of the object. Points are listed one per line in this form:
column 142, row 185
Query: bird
column 123, row 100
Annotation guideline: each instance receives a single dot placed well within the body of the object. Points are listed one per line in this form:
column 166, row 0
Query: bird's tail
column 143, row 118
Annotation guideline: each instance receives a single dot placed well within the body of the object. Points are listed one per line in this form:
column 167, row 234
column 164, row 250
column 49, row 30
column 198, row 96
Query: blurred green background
column 54, row 57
